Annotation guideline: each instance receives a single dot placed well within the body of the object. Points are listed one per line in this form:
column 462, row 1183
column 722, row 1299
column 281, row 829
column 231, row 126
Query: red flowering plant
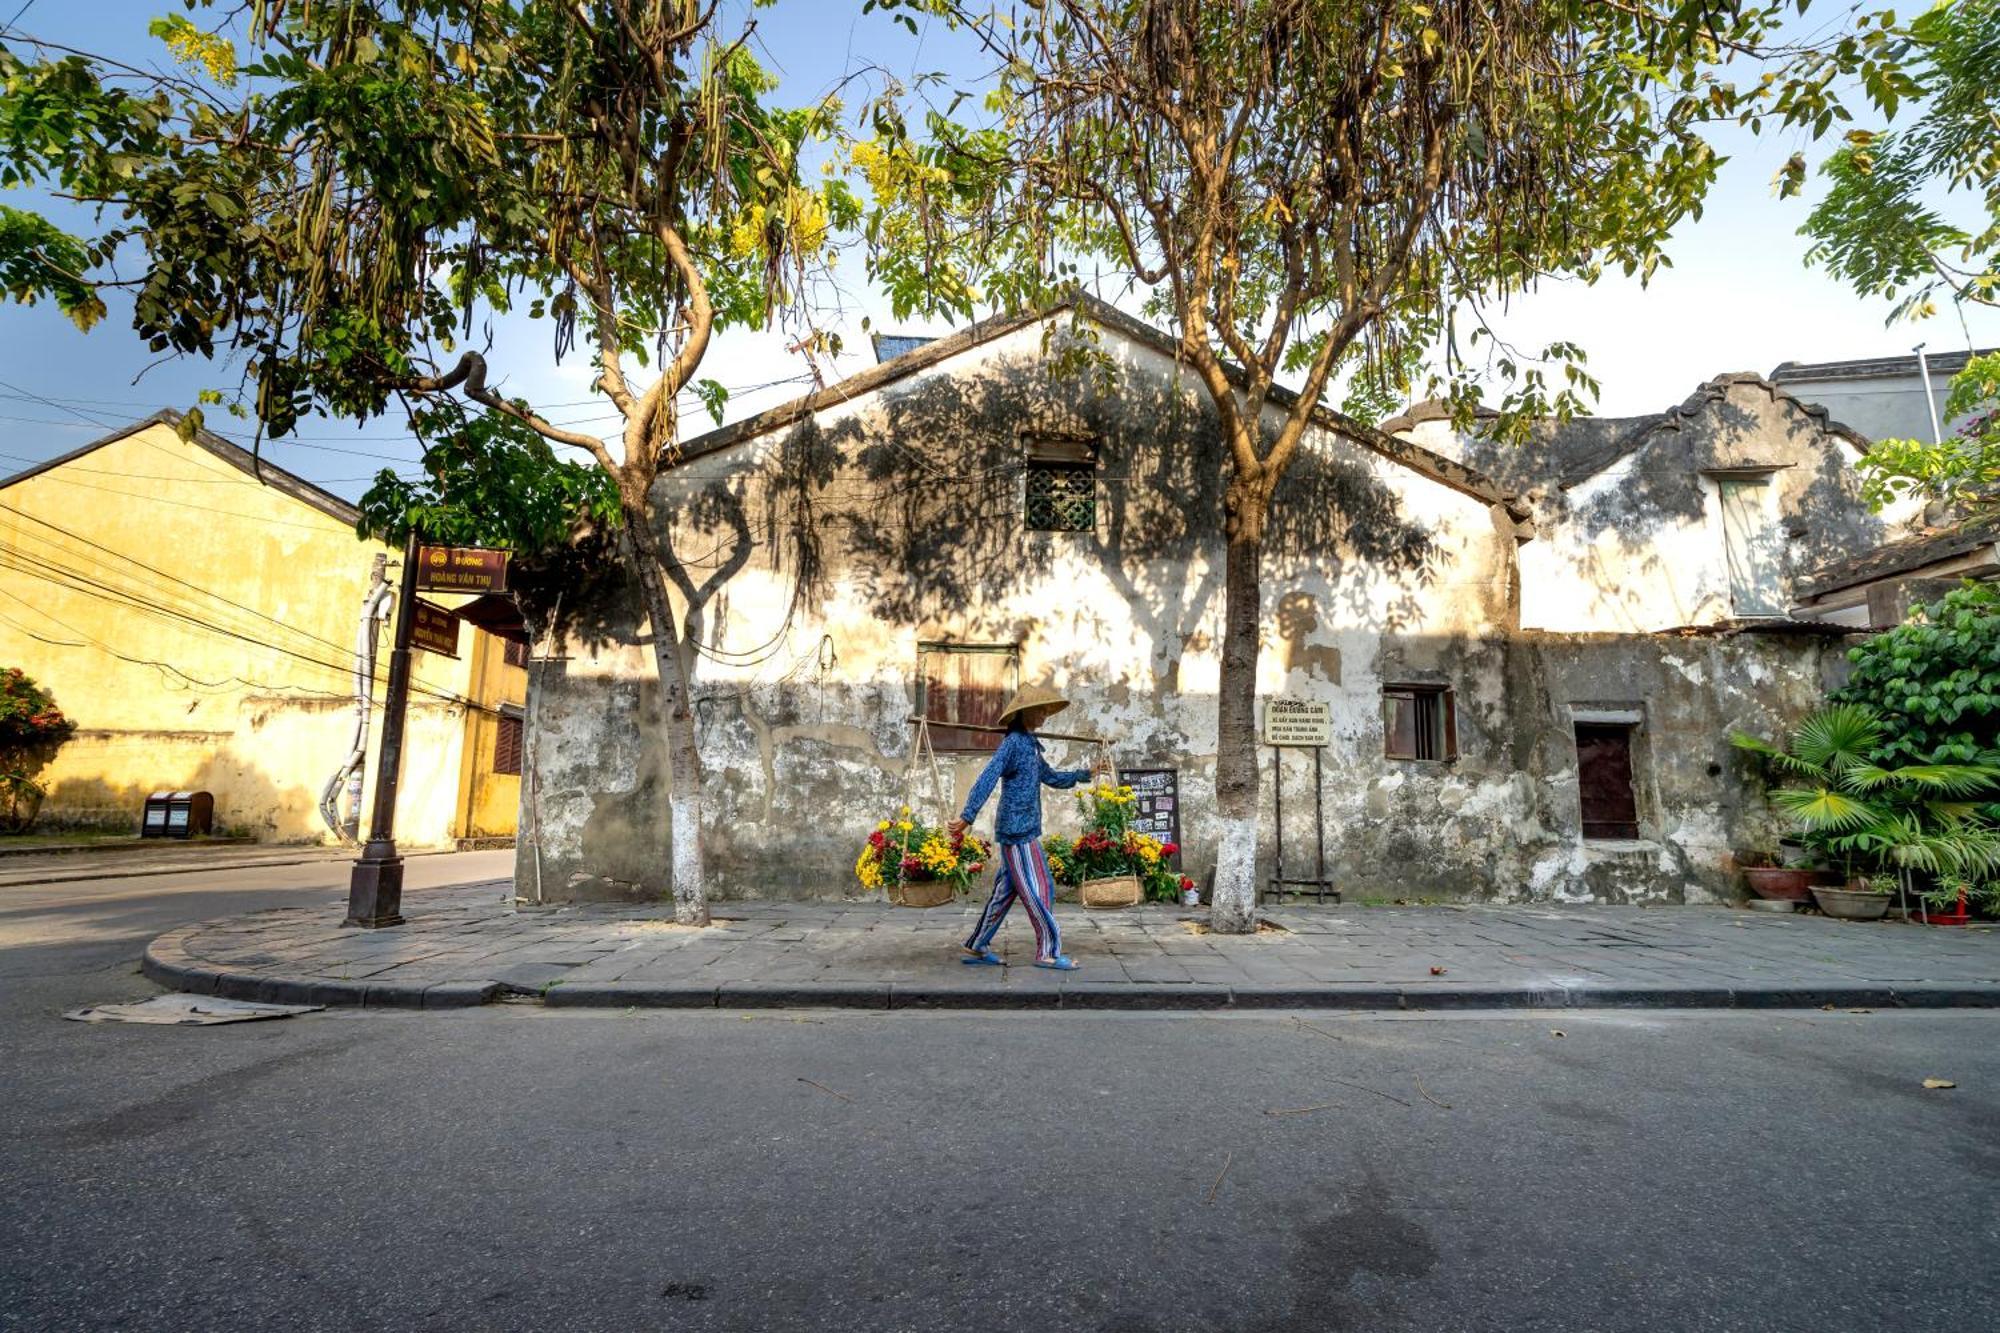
column 905, row 850
column 1109, row 846
column 32, row 729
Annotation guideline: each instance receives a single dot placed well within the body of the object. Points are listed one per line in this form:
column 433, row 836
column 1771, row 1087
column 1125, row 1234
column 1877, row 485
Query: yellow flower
column 868, row 869
column 906, row 810
column 904, row 825
column 882, row 827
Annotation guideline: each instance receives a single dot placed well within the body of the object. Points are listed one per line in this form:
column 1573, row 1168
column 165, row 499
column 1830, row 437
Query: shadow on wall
column 920, row 509
column 248, row 802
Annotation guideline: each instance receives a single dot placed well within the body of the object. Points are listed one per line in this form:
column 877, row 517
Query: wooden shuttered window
column 962, row 682
column 516, row 654
column 1419, row 722
column 507, row 747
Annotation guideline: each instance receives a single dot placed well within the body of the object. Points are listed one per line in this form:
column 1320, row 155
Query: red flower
column 877, row 841
column 977, row 867
column 1186, row 883
column 911, row 865
column 1169, row 848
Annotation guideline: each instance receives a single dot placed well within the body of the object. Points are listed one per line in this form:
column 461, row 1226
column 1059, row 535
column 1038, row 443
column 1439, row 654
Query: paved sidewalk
column 464, row 946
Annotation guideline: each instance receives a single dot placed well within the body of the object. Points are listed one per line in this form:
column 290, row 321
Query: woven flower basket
column 1116, row 891
column 921, row 893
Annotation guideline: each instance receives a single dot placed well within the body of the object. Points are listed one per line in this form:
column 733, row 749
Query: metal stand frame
column 1321, row 884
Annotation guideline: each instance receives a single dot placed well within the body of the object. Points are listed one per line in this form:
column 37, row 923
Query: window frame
column 1429, row 694
column 947, row 738
column 1053, row 451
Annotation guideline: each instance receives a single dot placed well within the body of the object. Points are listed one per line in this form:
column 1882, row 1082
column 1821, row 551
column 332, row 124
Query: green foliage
column 1874, row 229
column 1848, row 806
column 1964, row 468
column 1934, row 682
column 32, row 727
column 343, row 201
column 1332, row 187
column 488, row 481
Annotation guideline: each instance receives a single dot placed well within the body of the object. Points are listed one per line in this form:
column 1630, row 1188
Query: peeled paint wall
column 896, row 519
column 1638, row 546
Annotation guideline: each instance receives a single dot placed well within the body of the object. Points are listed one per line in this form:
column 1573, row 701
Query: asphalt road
column 521, row 1168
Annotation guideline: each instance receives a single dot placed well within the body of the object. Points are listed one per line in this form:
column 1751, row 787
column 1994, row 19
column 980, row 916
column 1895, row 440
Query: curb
column 167, row 962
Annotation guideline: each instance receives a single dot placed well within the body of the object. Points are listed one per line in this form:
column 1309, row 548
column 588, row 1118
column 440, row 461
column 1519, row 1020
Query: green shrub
column 1934, row 682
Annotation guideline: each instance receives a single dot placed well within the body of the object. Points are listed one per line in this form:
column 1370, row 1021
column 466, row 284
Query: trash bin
column 178, row 814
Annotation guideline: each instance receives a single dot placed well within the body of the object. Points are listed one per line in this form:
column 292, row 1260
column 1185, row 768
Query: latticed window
column 1062, row 496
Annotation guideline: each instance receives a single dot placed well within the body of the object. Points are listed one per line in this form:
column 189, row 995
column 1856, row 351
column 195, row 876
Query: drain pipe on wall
column 374, row 608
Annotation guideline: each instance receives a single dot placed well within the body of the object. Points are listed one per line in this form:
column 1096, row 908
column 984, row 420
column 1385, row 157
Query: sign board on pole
column 1304, row 722
column 461, row 569
column 434, row 629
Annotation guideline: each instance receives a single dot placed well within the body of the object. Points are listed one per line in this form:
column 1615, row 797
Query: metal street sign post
column 1307, row 724
column 375, row 885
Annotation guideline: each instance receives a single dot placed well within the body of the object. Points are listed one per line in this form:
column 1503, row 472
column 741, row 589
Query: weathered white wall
column 903, row 505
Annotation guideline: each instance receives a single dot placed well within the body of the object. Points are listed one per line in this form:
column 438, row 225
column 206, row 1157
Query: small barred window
column 1062, row 497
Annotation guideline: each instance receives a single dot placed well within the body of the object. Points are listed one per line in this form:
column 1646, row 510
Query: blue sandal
column 984, row 958
column 1060, row 963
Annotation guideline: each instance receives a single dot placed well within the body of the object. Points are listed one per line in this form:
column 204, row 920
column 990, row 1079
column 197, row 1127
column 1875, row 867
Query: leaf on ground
column 1935, row 1083
column 1557, row 1032
column 1436, row 971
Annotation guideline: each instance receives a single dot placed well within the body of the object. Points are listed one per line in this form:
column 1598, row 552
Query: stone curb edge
column 167, row 962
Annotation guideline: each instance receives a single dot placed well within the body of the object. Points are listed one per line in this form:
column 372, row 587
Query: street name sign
column 434, row 629
column 461, row 569
column 1304, row 722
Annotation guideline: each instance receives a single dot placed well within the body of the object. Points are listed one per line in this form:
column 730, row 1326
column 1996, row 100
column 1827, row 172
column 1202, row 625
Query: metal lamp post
column 375, row 886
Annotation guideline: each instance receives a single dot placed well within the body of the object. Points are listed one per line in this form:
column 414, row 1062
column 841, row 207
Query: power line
column 83, row 584
column 156, row 572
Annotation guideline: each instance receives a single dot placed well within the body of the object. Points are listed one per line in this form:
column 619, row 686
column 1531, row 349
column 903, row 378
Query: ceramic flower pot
column 1851, row 904
column 1779, row 884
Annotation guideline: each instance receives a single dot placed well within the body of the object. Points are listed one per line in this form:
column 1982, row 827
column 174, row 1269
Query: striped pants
column 1024, row 874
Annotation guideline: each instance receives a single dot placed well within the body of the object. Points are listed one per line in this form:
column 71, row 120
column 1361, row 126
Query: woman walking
column 1021, row 772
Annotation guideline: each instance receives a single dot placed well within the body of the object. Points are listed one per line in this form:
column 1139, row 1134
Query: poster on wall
column 1156, row 811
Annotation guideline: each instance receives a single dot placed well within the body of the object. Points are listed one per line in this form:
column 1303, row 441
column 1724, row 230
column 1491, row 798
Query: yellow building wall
column 199, row 627
column 490, row 801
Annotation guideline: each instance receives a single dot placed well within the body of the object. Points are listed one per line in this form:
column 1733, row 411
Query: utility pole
column 375, row 886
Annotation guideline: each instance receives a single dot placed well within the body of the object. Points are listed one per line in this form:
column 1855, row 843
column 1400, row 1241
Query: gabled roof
column 1590, row 463
column 1874, row 367
column 262, row 470
column 1438, row 468
column 1904, row 555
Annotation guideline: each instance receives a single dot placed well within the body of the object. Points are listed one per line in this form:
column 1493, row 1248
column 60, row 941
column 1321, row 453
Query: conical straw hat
column 1032, row 696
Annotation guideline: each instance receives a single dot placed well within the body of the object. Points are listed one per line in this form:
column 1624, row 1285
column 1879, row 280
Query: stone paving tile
column 469, row 937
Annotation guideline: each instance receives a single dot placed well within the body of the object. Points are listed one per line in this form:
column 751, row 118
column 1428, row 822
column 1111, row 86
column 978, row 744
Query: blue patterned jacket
column 1021, row 771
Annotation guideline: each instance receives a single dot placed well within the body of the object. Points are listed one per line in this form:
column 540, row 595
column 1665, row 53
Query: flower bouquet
column 1112, row 864
column 918, row 865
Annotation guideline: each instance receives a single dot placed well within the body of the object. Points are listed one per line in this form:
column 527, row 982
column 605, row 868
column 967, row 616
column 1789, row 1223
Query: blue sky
column 1738, row 298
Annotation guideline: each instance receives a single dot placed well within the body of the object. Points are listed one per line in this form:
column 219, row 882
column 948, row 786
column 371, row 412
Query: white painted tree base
column 1233, row 903
column 690, row 893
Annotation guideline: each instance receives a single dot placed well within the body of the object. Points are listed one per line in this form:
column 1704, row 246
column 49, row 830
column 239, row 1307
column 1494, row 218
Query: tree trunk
column 1233, row 902
column 684, row 801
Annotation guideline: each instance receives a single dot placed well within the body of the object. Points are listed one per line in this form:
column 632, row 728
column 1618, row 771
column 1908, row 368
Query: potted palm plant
column 1851, row 808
